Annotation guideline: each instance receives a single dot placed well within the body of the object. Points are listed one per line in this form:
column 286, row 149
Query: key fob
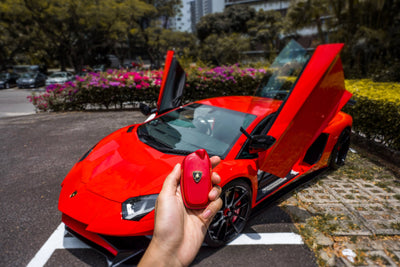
column 196, row 179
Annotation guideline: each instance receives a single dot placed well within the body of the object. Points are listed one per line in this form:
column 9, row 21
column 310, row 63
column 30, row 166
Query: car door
column 318, row 94
column 172, row 85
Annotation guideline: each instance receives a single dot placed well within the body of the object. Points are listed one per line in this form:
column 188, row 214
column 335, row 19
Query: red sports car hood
column 121, row 167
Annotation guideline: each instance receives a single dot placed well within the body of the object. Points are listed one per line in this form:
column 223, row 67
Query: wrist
column 158, row 254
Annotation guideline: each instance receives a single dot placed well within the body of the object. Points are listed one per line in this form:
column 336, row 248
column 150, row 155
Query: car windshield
column 284, row 72
column 58, row 75
column 29, row 75
column 3, row 75
column 195, row 126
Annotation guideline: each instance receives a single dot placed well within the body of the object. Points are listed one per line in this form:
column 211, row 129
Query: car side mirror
column 258, row 143
column 145, row 109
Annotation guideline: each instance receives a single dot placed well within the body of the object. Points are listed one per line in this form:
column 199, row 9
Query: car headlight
column 136, row 208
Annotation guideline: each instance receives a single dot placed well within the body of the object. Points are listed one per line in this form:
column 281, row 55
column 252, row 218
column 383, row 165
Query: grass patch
column 393, row 256
column 379, row 260
column 360, row 258
column 395, row 226
column 384, row 186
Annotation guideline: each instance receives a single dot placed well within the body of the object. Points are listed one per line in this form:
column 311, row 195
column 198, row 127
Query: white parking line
column 55, row 241
column 267, row 239
column 58, row 240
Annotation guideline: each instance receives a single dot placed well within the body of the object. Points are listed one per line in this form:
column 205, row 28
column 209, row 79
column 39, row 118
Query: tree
column 74, row 32
column 225, row 36
column 211, row 24
column 223, row 50
column 233, row 20
column 371, row 31
column 151, row 23
column 17, row 34
column 264, row 29
column 161, row 40
column 306, row 13
column 369, row 28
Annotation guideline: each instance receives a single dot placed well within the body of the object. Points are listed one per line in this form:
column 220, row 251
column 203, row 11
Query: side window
column 261, row 128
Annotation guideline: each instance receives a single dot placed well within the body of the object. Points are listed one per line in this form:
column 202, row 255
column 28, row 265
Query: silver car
column 60, row 77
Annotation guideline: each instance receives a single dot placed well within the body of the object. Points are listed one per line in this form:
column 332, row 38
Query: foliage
column 225, row 36
column 100, row 90
column 306, row 13
column 161, row 40
column 369, row 28
column 233, row 20
column 76, row 32
column 264, row 29
column 120, row 88
column 220, row 50
column 376, row 113
column 221, row 81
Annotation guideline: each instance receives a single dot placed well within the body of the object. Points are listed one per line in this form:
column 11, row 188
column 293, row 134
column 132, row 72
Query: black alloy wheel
column 339, row 152
column 230, row 221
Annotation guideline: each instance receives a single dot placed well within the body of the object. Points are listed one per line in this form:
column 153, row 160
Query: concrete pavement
column 351, row 217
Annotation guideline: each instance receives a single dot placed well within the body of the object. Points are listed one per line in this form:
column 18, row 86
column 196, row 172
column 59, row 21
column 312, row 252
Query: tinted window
column 196, row 126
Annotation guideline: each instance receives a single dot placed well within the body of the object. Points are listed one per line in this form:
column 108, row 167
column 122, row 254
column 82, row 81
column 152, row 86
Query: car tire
column 7, row 86
column 339, row 151
column 230, row 221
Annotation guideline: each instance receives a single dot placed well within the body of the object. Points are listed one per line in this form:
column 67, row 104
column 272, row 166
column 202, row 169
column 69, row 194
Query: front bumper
column 117, row 249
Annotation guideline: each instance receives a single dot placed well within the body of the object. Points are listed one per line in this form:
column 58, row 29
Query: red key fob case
column 196, row 179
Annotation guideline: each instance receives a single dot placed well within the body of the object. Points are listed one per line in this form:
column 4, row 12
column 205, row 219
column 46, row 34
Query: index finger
column 171, row 182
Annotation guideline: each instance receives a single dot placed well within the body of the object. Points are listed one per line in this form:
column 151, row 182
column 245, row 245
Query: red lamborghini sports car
column 292, row 126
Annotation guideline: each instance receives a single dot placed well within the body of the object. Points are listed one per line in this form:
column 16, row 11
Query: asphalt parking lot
column 38, row 150
column 13, row 102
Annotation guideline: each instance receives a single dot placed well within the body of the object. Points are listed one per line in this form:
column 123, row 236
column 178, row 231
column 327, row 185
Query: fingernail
column 206, row 214
column 213, row 193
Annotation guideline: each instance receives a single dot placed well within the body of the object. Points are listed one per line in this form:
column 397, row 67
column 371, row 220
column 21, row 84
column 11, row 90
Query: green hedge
column 376, row 113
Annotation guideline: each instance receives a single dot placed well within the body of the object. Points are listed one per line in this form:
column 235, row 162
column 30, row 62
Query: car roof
column 259, row 106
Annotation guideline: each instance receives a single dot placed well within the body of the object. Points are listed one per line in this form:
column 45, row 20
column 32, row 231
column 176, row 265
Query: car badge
column 73, row 194
column 197, row 176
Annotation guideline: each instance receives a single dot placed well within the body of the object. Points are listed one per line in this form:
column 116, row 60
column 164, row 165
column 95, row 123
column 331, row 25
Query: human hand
column 178, row 231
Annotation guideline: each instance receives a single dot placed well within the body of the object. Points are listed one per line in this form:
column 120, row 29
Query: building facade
column 266, row 5
column 192, row 11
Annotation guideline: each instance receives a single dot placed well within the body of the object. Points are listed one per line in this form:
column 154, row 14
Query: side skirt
column 267, row 183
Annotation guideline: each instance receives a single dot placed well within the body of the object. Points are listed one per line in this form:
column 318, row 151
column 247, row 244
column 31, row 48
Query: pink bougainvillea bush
column 122, row 89
column 220, row 81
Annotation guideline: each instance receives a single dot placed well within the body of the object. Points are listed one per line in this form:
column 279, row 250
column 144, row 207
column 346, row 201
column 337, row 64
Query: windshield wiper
column 159, row 145
column 143, row 133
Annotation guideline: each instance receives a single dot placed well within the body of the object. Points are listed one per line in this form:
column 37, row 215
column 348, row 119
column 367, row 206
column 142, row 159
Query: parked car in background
column 8, row 80
column 60, row 77
column 99, row 68
column 82, row 73
column 31, row 80
column 30, row 68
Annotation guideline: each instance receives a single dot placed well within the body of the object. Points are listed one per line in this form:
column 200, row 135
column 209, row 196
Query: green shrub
column 376, row 113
